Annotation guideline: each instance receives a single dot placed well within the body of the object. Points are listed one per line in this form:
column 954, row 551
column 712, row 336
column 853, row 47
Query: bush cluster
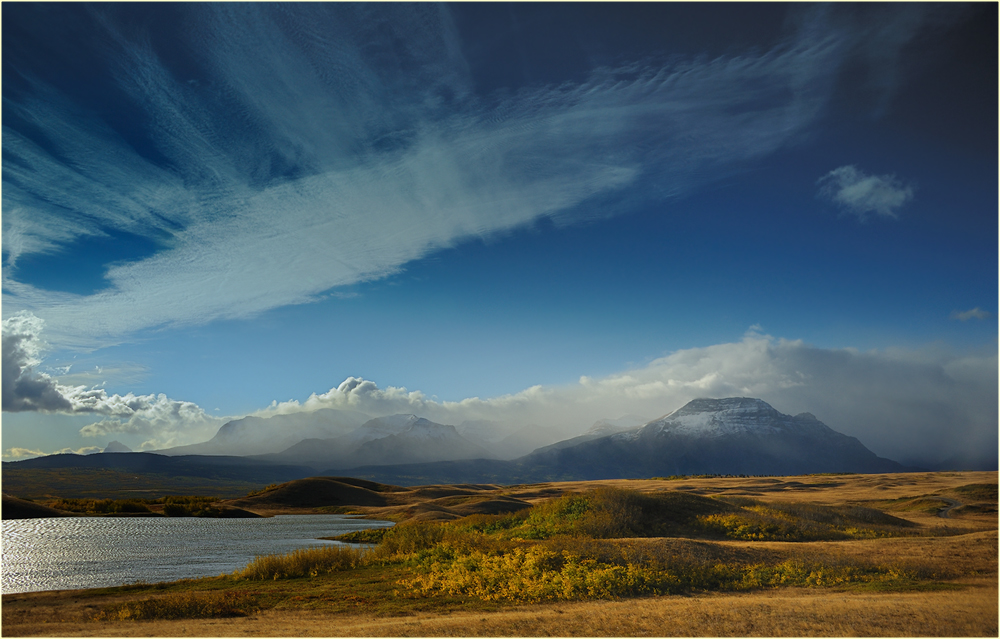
column 541, row 573
column 173, row 506
column 102, row 506
column 306, row 562
column 189, row 506
column 572, row 548
column 754, row 521
column 189, row 605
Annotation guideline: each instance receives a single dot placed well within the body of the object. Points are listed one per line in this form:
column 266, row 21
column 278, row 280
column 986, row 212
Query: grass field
column 873, row 555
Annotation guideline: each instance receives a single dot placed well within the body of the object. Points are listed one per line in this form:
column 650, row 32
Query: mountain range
column 735, row 436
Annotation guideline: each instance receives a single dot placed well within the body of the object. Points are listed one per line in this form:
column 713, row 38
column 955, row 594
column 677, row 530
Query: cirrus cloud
column 274, row 181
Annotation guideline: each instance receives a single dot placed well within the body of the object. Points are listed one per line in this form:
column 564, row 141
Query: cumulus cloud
column 327, row 179
column 24, row 389
column 974, row 313
column 163, row 420
column 22, row 453
column 862, row 195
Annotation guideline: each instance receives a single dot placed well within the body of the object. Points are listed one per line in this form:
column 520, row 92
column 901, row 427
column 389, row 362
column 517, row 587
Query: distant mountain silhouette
column 397, row 439
column 262, row 435
column 117, row 447
column 734, row 436
column 208, row 466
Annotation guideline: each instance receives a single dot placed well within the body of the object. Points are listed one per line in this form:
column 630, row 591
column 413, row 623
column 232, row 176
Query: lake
column 91, row 552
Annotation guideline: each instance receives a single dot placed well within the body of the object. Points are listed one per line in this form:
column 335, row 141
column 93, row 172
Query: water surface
column 59, row 553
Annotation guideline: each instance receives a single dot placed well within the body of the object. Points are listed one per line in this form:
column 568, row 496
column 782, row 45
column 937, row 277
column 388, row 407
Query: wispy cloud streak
column 292, row 155
column 972, row 313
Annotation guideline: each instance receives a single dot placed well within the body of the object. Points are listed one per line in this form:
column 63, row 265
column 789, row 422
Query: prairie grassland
column 821, row 556
column 797, row 612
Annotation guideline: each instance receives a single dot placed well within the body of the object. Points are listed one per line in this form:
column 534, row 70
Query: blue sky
column 568, row 212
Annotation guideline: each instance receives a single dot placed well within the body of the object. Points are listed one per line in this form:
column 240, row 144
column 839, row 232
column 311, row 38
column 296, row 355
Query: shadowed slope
column 319, row 492
column 14, row 508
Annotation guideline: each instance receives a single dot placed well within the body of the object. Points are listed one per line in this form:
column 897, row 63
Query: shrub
column 531, row 574
column 189, row 605
column 176, row 510
column 405, row 539
column 367, row 536
column 539, row 573
column 306, row 562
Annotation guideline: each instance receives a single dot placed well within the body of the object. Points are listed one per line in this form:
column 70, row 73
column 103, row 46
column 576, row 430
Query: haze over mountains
column 717, row 436
column 331, row 437
column 731, row 436
column 260, row 436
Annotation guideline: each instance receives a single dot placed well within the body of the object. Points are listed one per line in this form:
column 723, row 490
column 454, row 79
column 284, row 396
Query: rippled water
column 91, row 552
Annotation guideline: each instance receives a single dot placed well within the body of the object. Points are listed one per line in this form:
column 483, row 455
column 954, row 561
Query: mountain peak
column 732, row 435
column 717, row 417
column 117, row 447
column 704, row 405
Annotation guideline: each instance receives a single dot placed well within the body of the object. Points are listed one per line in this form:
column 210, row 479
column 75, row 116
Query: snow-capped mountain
column 735, row 416
column 736, row 435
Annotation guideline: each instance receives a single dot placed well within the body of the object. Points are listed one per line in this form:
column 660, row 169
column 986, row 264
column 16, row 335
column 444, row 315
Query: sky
column 534, row 214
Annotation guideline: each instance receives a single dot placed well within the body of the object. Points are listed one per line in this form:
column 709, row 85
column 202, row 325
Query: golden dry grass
column 439, row 502
column 788, row 612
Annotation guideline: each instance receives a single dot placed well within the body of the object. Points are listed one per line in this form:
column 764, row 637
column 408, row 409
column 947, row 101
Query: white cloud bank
column 909, row 405
column 861, row 195
column 903, row 404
